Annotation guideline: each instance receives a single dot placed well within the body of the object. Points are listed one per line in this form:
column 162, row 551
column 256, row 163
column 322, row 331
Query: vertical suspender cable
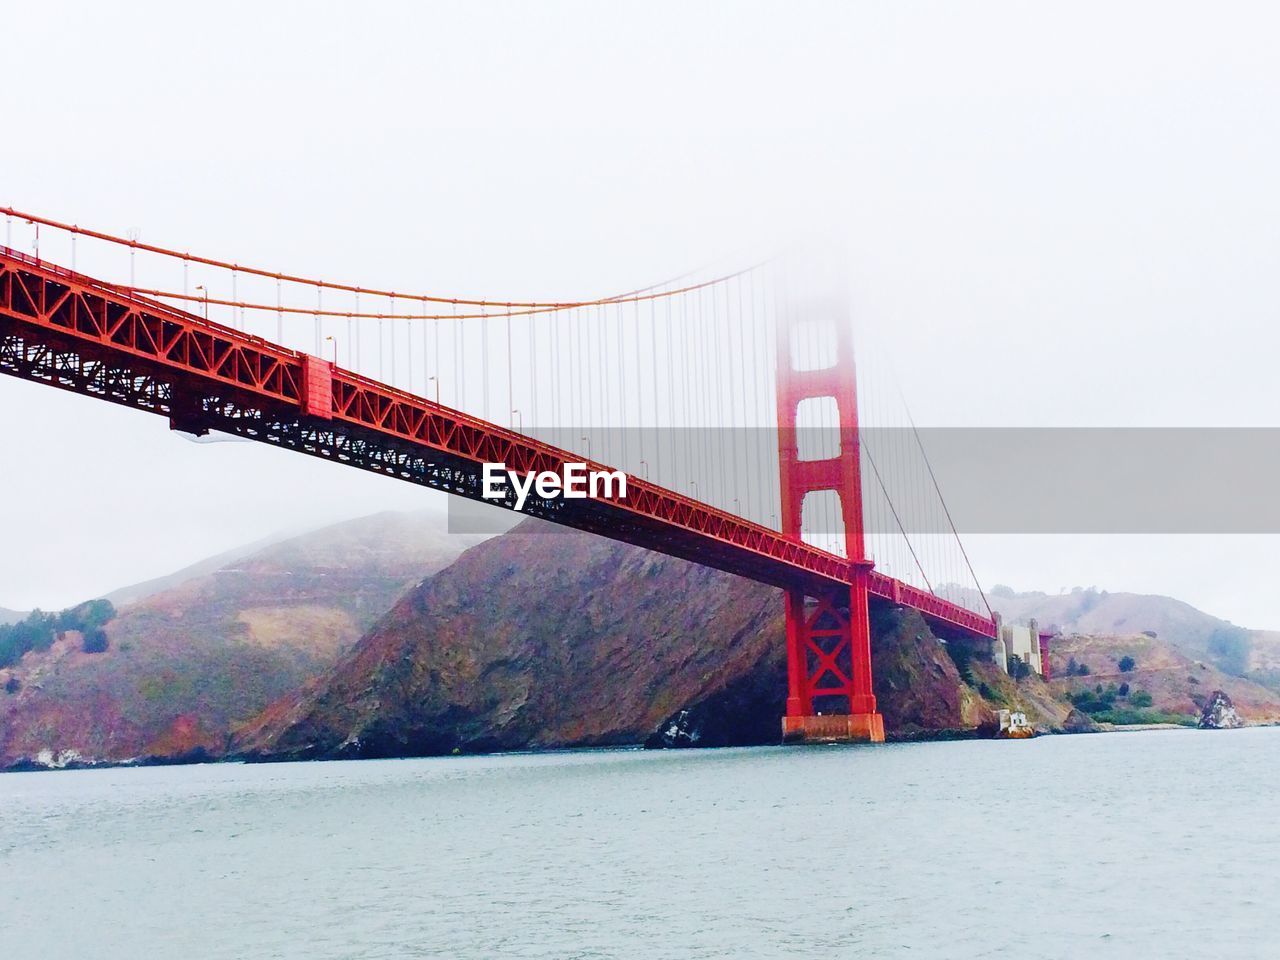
column 392, row 345
column 382, row 350
column 722, row 483
column 671, row 395
column 358, row 331
column 556, row 397
column 455, row 336
column 705, row 325
column 511, row 397
column 622, row 391
column 744, row 506
column 533, row 367
column 484, row 363
column 734, row 437
column 639, row 377
column 570, row 419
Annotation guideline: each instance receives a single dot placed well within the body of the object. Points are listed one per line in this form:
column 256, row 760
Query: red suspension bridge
column 730, row 401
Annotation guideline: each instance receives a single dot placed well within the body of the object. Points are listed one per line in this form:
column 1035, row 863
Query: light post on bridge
column 335, row 349
column 437, row 383
column 517, row 416
column 201, row 286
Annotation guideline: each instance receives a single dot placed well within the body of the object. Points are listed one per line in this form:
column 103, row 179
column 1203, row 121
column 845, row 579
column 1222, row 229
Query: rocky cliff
column 549, row 638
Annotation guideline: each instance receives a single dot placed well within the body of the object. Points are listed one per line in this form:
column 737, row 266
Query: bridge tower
column 829, row 689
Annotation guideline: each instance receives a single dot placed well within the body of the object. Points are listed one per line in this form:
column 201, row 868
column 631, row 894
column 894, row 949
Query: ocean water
column 1157, row 844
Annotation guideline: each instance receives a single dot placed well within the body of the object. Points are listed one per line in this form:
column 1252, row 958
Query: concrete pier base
column 834, row 728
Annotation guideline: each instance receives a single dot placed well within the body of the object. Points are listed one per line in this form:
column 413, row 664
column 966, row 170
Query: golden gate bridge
column 729, row 398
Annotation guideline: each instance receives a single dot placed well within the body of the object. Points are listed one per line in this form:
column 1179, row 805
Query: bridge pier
column 829, row 687
column 834, row 728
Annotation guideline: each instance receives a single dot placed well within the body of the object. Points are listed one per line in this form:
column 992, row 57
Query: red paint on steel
column 317, row 380
column 182, row 365
column 828, row 633
column 535, row 306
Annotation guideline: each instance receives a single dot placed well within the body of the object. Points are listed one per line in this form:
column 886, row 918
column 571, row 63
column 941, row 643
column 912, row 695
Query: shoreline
column 28, row 765
column 1138, row 727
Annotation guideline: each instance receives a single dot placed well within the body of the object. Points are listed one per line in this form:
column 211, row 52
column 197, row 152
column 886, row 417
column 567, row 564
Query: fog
column 1056, row 214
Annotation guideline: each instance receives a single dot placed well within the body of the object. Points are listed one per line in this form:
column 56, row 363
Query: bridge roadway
column 91, row 337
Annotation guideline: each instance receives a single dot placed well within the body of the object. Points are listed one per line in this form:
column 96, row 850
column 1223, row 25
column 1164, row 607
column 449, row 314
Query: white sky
column 1059, row 214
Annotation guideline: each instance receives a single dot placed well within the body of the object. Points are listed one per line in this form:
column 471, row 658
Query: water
column 1145, row 844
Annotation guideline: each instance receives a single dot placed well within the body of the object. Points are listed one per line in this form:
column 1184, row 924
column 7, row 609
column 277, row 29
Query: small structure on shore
column 1014, row 726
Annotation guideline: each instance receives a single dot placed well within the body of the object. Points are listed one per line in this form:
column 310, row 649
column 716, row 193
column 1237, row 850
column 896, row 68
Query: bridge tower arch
column 829, row 681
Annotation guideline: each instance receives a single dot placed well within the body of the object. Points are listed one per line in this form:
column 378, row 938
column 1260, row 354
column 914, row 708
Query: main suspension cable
column 639, row 294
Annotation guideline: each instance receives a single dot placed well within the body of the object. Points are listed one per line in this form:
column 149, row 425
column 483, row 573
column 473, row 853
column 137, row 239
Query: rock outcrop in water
column 550, row 638
column 1220, row 713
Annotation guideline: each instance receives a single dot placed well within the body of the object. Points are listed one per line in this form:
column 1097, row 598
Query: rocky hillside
column 552, row 639
column 549, row 638
column 1098, row 613
column 184, row 665
column 1140, row 674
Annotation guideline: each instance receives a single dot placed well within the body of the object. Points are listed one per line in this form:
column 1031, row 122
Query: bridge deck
column 91, row 337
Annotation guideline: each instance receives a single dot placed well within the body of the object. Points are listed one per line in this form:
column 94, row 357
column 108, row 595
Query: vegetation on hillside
column 1121, row 705
column 1077, row 669
column 1017, row 668
column 40, row 629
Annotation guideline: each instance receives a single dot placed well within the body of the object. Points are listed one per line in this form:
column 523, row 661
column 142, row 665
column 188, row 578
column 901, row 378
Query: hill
column 8, row 616
column 1099, row 613
column 554, row 639
column 1236, row 651
column 185, row 664
column 1141, row 678
column 383, row 637
column 140, row 591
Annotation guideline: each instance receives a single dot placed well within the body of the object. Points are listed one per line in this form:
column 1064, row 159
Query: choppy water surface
column 1144, row 844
